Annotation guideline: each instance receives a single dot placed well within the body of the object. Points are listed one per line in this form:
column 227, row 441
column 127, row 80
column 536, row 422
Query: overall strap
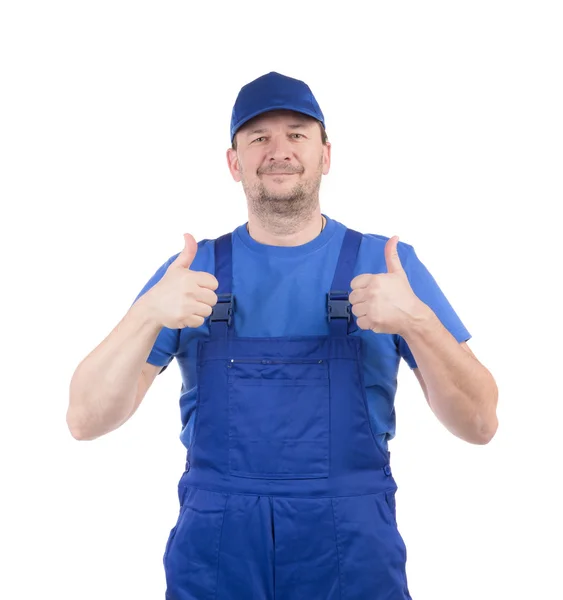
column 221, row 319
column 340, row 317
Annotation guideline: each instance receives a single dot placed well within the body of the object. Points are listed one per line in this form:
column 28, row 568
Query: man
column 288, row 332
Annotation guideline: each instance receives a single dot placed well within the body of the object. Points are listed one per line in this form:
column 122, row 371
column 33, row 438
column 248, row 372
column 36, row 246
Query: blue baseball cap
column 273, row 92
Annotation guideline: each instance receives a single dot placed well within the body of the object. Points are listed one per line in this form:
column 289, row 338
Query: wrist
column 146, row 311
column 418, row 322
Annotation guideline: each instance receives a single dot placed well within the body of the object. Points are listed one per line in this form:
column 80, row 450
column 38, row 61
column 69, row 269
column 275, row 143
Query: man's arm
column 108, row 385
column 420, row 378
column 461, row 392
column 459, row 389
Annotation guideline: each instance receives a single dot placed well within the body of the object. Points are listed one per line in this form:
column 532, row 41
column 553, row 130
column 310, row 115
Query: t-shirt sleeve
column 166, row 344
column 426, row 288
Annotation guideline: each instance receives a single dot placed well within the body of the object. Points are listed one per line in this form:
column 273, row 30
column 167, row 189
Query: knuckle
column 195, row 321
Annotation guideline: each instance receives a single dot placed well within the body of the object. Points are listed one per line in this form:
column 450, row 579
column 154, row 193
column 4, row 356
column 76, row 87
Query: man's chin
column 288, row 195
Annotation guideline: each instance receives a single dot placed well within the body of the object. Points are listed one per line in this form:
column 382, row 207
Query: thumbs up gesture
column 384, row 302
column 183, row 298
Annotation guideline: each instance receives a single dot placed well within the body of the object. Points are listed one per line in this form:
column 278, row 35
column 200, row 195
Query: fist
column 183, row 298
column 384, row 302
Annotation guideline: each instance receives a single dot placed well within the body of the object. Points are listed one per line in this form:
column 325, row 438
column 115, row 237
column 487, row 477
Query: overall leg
column 222, row 548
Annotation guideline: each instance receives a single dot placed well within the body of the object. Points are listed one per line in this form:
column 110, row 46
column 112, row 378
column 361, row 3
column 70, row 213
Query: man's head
column 279, row 149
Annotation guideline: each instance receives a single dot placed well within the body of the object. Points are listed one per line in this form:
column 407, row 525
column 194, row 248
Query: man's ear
column 234, row 164
column 326, row 157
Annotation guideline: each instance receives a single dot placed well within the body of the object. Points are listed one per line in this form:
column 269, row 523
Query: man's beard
column 286, row 210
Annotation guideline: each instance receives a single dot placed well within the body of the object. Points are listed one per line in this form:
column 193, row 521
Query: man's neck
column 307, row 232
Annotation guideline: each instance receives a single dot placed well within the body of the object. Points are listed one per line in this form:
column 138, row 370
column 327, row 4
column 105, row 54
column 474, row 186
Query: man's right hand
column 183, row 298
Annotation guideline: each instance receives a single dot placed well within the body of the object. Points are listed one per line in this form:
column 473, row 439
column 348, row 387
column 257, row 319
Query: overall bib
column 287, row 494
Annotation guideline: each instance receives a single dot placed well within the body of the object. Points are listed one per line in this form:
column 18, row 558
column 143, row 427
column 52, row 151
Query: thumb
column 186, row 257
column 392, row 256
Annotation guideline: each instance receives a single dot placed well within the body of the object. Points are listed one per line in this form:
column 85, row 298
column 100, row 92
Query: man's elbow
column 78, row 430
column 486, row 430
column 79, row 434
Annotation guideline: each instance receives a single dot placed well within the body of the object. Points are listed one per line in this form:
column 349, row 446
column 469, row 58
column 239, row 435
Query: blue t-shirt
column 281, row 291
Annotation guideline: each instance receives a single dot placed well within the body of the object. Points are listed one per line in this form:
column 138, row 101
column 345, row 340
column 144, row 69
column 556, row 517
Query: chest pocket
column 279, row 413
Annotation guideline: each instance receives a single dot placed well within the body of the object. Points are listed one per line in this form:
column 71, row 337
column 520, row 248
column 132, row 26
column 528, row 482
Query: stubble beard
column 284, row 212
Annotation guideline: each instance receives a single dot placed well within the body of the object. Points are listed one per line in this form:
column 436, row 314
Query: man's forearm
column 461, row 391
column 103, row 387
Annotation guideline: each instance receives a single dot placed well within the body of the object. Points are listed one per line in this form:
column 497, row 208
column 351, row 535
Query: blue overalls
column 287, row 494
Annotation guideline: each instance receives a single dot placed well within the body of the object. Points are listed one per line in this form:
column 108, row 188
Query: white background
column 446, row 124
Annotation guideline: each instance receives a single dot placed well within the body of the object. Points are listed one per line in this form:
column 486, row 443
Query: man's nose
column 280, row 149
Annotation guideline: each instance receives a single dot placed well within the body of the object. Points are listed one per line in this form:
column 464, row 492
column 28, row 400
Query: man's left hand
column 385, row 302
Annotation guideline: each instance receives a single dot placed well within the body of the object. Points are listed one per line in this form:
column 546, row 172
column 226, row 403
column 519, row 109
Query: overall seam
column 338, row 552
column 360, row 371
column 219, row 540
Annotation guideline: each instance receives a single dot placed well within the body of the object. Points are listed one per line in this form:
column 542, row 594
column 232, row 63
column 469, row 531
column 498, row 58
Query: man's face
column 280, row 160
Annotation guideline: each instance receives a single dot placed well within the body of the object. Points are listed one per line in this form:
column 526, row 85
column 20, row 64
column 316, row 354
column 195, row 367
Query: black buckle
column 223, row 310
column 338, row 307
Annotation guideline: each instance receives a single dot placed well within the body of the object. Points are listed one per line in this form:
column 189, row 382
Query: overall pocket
column 279, row 414
column 192, row 561
column 182, row 488
column 372, row 553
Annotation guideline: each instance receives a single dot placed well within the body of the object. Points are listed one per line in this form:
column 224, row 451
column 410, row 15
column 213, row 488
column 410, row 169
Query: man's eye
column 263, row 137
